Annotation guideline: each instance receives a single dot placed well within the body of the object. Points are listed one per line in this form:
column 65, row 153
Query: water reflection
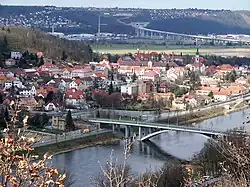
column 83, row 164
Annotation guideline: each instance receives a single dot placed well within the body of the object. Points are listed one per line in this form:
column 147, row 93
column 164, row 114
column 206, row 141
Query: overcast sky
column 211, row 4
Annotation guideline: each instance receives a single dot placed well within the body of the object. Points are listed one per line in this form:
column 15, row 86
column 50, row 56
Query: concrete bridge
column 145, row 131
column 143, row 32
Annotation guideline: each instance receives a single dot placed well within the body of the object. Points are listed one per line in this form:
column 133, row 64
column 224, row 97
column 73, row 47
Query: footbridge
column 146, row 131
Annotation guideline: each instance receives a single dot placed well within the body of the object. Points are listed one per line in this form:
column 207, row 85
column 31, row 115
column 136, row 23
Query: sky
column 210, row 4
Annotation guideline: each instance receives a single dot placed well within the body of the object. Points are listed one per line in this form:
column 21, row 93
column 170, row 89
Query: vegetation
column 21, row 39
column 70, row 126
column 19, row 166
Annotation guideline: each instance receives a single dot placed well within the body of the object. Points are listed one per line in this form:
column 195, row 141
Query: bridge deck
column 160, row 126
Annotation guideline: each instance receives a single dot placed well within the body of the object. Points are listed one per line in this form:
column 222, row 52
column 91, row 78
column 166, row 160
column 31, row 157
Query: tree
column 41, row 62
column 64, row 56
column 96, row 85
column 167, row 66
column 49, row 97
column 232, row 77
column 1, row 99
column 8, row 30
column 171, row 99
column 69, row 126
column 211, row 94
column 134, row 77
column 111, row 88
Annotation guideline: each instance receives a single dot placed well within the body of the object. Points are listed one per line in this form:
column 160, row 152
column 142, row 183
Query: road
column 85, row 114
column 159, row 126
column 62, row 138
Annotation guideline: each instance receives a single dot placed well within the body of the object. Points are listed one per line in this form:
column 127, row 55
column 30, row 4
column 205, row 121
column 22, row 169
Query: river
column 84, row 164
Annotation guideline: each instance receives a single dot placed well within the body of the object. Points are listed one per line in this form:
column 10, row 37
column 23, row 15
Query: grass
column 204, row 50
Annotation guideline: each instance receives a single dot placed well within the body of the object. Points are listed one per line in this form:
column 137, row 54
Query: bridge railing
column 158, row 125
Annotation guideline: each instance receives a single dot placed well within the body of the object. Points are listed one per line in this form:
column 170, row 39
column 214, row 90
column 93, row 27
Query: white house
column 130, row 89
column 52, row 106
column 76, row 84
column 16, row 55
column 28, row 92
column 10, row 62
column 66, row 74
column 150, row 75
column 17, row 84
column 175, row 73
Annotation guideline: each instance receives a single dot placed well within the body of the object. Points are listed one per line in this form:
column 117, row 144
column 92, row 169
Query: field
column 208, row 50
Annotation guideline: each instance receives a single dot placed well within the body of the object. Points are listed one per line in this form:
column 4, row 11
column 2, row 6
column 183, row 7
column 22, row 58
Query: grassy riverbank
column 196, row 117
column 67, row 146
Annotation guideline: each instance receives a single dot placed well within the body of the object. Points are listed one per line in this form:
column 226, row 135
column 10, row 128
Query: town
column 138, row 82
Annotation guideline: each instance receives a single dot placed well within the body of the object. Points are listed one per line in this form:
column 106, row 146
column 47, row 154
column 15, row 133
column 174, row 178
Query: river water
column 84, row 164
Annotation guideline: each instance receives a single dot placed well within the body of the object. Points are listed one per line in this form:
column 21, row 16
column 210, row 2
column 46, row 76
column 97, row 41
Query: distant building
column 16, row 55
column 58, row 122
column 10, row 62
column 134, row 88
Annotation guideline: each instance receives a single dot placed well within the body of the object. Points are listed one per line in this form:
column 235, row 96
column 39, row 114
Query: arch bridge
column 145, row 131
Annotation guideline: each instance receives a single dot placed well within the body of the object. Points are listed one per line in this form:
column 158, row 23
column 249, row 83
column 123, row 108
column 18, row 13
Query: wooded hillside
column 22, row 39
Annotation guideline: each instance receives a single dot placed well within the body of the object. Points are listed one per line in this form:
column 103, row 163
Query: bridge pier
column 113, row 128
column 118, row 128
column 140, row 133
column 126, row 132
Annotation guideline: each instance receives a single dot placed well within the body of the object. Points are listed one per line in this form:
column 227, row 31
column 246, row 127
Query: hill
column 23, row 39
column 117, row 20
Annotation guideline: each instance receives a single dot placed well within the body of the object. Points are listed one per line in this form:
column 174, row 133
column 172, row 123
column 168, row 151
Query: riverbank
column 203, row 115
column 71, row 145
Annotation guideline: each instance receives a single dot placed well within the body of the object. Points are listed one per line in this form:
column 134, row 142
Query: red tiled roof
column 74, row 94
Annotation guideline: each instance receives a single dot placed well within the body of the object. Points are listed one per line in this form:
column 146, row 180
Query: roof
column 74, row 94
column 150, row 74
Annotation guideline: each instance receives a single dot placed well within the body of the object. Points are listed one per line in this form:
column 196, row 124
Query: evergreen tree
column 111, row 88
column 41, row 61
column 64, row 56
column 134, row 77
column 70, row 126
column 96, row 86
column 49, row 97
column 211, row 95
column 1, row 99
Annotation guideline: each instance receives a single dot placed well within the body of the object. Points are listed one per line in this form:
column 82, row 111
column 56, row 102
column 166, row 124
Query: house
column 28, row 103
column 15, row 83
column 58, row 122
column 197, row 66
column 190, row 102
column 42, row 91
column 130, row 89
column 151, row 75
column 76, row 84
column 208, row 81
column 3, row 79
column 74, row 97
column 52, row 106
column 10, row 62
column 66, row 74
column 225, row 68
column 87, row 82
column 15, row 55
column 175, row 73
column 241, row 80
column 134, row 88
column 83, row 72
column 28, row 91
column 219, row 94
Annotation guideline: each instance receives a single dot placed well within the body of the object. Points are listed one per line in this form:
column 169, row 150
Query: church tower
column 197, row 57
